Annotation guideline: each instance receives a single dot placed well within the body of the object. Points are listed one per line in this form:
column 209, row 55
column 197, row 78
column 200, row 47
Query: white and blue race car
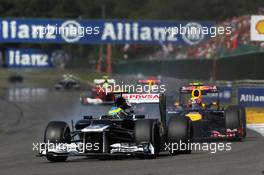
column 120, row 132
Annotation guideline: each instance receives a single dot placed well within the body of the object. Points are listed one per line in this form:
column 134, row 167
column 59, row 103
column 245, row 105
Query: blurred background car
column 68, row 81
column 15, row 78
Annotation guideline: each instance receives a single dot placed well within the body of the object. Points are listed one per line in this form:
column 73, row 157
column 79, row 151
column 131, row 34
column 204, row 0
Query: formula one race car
column 119, row 132
column 101, row 93
column 149, row 81
column 208, row 120
column 16, row 78
column 68, row 81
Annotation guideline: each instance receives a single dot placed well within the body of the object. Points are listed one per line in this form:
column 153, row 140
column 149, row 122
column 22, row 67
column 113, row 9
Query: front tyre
column 57, row 132
column 147, row 131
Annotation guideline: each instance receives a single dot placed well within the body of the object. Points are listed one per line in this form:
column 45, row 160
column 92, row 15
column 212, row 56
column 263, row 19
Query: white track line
column 257, row 127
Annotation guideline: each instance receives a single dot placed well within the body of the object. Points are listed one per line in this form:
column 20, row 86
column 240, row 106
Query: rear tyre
column 180, row 135
column 147, row 131
column 242, row 113
column 57, row 132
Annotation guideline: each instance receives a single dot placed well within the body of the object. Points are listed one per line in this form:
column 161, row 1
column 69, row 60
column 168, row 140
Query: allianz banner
column 29, row 58
column 102, row 31
column 250, row 97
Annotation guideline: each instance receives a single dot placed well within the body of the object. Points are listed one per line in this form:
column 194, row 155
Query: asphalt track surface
column 24, row 116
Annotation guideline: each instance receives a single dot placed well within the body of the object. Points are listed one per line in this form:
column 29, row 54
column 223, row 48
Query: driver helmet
column 115, row 111
column 122, row 103
column 195, row 101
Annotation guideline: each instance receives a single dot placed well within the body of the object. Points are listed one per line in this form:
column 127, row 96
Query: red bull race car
column 209, row 121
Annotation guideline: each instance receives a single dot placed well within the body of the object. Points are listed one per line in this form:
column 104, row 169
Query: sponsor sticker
column 257, row 28
column 142, row 98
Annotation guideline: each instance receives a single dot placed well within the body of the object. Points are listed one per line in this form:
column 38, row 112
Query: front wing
column 76, row 149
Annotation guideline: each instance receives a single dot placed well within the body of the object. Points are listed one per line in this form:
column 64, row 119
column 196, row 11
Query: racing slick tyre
column 242, row 113
column 162, row 107
column 180, row 135
column 233, row 120
column 57, row 132
column 147, row 131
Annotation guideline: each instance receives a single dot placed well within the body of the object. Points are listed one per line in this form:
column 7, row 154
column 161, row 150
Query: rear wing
column 101, row 81
column 149, row 81
column 206, row 89
column 142, row 98
column 69, row 76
